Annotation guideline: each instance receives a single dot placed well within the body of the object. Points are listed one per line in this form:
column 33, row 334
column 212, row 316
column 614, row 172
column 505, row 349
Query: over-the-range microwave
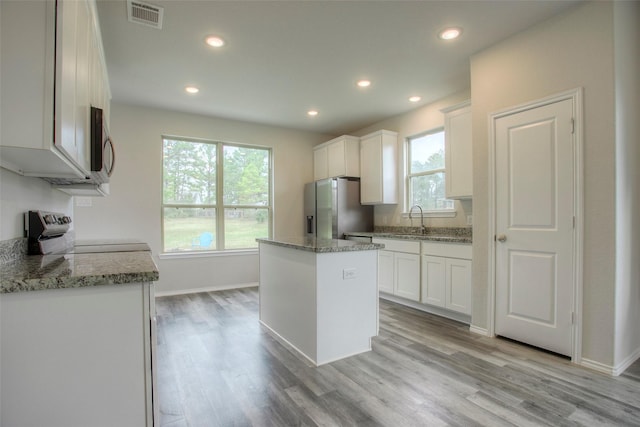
column 102, row 150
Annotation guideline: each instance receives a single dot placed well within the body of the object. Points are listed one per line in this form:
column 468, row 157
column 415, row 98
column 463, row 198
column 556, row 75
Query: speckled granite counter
column 445, row 235
column 312, row 244
column 39, row 272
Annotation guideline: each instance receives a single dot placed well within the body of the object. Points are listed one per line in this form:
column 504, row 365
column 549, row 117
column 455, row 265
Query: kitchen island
column 320, row 296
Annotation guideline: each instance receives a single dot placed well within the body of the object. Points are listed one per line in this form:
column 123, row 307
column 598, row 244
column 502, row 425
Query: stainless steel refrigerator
column 332, row 207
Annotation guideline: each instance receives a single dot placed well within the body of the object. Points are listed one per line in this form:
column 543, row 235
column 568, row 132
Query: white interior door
column 535, row 226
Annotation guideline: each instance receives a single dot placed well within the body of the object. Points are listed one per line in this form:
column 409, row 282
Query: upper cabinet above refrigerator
column 52, row 75
column 339, row 157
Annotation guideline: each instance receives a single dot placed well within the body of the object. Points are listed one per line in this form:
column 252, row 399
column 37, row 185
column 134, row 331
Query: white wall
column 133, row 208
column 19, row 195
column 414, row 122
column 627, row 72
column 574, row 49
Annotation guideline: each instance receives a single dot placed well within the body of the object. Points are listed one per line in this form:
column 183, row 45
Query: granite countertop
column 311, row 244
column 39, row 272
column 445, row 235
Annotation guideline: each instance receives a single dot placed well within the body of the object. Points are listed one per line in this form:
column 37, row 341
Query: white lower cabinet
column 399, row 268
column 78, row 356
column 446, row 276
column 386, row 269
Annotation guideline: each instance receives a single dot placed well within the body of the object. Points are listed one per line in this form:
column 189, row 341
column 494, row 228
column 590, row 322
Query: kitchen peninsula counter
column 77, row 337
column 320, row 296
column 311, row 244
column 40, row 272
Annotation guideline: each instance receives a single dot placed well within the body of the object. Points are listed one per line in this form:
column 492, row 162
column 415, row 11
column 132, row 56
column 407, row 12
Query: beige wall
column 569, row 51
column 133, row 208
column 627, row 73
column 414, row 122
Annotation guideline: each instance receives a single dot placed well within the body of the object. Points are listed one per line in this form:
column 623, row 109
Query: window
column 425, row 172
column 215, row 196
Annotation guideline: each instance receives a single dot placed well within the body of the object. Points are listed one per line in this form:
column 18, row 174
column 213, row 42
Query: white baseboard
column 459, row 317
column 478, row 330
column 597, row 366
column 206, row 289
column 611, row 370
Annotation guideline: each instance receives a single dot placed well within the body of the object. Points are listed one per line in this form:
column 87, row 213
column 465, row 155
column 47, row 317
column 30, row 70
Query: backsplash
column 435, row 231
column 13, row 249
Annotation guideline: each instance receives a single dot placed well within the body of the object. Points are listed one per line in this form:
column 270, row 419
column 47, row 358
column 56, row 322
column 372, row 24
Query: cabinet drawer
column 408, row 246
column 449, row 250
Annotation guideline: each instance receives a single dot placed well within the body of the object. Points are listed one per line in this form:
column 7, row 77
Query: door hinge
column 573, row 125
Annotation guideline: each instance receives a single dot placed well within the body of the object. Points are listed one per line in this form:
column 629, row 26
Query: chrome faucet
column 423, row 229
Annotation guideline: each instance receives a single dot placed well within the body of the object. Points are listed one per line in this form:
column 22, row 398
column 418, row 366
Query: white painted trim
column 597, row 366
column 207, row 254
column 444, row 213
column 614, row 371
column 458, row 317
column 206, row 289
column 622, row 366
column 578, row 157
column 478, row 330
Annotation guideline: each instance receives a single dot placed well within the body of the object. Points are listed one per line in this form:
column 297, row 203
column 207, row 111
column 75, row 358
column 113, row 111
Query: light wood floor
column 219, row 367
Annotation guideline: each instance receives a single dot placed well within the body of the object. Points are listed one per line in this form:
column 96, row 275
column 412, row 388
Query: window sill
column 208, row 254
column 445, row 213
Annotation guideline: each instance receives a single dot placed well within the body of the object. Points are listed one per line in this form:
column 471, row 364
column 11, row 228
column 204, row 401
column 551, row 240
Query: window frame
column 219, row 206
column 444, row 212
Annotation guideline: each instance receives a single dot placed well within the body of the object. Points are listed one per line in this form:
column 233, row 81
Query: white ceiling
column 283, row 58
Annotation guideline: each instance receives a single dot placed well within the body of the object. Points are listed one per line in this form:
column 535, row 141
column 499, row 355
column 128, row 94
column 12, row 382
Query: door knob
column 501, row 238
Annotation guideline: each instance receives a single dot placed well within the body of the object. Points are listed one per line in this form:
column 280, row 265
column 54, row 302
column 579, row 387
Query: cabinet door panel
column 407, row 272
column 370, row 170
column 433, row 281
column 385, row 271
column 336, row 163
column 320, row 159
column 65, row 139
column 459, row 285
column 84, row 37
column 458, row 156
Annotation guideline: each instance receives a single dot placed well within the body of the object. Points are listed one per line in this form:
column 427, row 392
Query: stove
column 48, row 233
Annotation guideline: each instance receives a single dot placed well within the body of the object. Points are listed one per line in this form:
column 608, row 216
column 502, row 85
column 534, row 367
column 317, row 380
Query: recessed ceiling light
column 312, row 113
column 415, row 98
column 214, row 41
column 450, row 33
column 364, row 83
column 191, row 89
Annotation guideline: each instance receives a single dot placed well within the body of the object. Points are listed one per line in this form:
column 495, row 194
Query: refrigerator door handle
column 310, row 224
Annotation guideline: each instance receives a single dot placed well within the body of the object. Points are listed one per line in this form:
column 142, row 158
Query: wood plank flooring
column 219, row 367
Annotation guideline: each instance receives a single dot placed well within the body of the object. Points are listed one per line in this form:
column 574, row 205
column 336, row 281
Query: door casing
column 578, row 200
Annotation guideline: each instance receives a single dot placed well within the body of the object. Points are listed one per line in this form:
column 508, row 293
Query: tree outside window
column 425, row 172
column 216, row 196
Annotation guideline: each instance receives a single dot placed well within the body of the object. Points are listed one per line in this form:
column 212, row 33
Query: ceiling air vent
column 143, row 13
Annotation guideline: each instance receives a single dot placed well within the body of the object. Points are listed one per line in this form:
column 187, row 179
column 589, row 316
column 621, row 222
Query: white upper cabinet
column 338, row 157
column 49, row 82
column 378, row 168
column 458, row 151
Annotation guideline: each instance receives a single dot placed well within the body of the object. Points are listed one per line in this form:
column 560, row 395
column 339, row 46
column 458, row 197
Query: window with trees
column 216, row 196
column 425, row 172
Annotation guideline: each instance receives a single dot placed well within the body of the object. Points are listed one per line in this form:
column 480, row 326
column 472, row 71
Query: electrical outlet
column 83, row 201
column 349, row 273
